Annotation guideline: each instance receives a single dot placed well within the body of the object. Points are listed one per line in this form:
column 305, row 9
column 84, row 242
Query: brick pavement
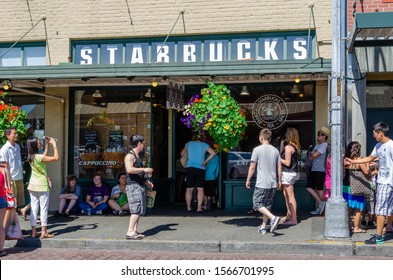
column 18, row 253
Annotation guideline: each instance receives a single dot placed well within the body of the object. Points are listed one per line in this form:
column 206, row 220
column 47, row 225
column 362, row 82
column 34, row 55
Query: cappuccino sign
column 213, row 48
column 269, row 111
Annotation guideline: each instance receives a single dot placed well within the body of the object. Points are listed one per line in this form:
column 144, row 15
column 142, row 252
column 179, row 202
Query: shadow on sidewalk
column 160, row 228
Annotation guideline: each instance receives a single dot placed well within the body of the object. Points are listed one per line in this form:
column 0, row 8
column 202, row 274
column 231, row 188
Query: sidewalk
column 173, row 229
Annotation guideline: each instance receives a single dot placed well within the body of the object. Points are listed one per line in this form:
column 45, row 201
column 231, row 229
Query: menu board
column 91, row 137
column 115, row 139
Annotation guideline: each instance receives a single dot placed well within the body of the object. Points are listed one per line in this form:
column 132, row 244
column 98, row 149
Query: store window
column 33, row 54
column 275, row 106
column 104, row 121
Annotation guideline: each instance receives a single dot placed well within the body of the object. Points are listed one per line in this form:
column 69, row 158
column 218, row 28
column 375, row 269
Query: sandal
column 46, row 235
column 22, row 213
column 359, row 230
column 135, row 236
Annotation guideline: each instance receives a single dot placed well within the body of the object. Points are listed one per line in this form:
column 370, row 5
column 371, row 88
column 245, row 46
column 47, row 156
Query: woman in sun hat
column 316, row 181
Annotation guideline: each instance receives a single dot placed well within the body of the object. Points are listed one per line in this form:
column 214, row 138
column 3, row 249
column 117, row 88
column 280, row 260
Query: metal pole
column 336, row 214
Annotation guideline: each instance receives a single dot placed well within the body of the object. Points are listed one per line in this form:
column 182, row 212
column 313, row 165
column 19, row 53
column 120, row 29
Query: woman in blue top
column 196, row 169
column 69, row 196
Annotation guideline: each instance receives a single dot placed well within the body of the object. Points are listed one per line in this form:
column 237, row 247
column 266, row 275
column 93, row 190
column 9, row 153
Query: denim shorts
column 3, row 202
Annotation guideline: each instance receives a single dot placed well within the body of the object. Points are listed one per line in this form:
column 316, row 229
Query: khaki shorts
column 18, row 188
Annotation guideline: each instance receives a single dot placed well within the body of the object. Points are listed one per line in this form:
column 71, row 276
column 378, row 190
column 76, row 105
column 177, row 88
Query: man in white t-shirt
column 10, row 153
column 383, row 150
column 266, row 159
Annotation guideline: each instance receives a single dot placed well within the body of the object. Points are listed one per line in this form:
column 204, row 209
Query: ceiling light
column 297, row 80
column 154, row 83
column 244, row 91
column 295, row 89
column 149, row 93
column 7, row 85
column 97, row 94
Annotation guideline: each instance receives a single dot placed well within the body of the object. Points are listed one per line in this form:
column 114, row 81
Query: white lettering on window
column 270, row 50
column 300, row 46
column 243, row 50
column 189, row 53
column 85, row 54
column 137, row 56
column 163, row 53
column 112, row 50
column 215, row 51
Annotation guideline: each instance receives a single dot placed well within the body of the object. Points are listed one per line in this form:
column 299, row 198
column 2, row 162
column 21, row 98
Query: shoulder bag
column 359, row 184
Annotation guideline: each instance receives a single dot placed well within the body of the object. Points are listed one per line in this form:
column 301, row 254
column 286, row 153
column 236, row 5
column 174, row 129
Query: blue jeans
column 102, row 207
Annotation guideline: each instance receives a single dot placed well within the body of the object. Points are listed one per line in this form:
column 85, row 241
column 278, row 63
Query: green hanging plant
column 215, row 114
column 11, row 115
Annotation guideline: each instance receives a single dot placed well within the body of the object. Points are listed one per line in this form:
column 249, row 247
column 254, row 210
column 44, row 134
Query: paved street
column 88, row 254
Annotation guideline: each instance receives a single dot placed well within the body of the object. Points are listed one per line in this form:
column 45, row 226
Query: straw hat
column 325, row 131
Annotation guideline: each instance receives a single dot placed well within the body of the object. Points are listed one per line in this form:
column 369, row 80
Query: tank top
column 140, row 177
column 294, row 159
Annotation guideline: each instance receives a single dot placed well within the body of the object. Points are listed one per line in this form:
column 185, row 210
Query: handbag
column 358, row 183
column 14, row 231
column 8, row 189
column 150, row 198
column 184, row 159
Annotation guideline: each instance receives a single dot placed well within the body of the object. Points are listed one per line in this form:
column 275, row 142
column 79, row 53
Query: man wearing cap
column 316, row 181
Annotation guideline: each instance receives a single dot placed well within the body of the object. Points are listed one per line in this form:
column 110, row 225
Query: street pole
column 336, row 213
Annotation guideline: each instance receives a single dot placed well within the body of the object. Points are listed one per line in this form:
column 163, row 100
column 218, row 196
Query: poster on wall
column 175, row 96
column 115, row 140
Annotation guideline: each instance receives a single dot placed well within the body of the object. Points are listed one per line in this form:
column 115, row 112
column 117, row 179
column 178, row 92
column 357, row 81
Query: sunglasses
column 320, row 134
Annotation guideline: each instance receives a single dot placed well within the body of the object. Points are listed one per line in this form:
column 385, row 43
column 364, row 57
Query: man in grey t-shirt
column 266, row 159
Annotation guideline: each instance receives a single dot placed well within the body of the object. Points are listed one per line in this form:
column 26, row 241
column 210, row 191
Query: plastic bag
column 122, row 199
column 14, row 231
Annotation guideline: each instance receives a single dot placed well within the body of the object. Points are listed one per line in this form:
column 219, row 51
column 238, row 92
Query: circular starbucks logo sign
column 269, row 111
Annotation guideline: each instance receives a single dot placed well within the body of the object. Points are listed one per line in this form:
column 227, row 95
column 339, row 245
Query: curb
column 338, row 248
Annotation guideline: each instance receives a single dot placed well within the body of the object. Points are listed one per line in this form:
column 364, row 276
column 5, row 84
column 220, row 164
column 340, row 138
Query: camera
column 48, row 138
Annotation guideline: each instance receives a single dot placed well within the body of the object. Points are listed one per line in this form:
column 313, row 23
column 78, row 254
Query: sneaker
column 99, row 212
column 262, row 230
column 83, row 212
column 115, row 212
column 121, row 213
column 322, row 207
column 375, row 239
column 274, row 223
column 316, row 211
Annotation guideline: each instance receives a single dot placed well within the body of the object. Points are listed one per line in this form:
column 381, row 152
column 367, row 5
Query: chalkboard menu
column 115, row 139
column 91, row 137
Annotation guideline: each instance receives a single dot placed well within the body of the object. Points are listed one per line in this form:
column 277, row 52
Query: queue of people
column 276, row 169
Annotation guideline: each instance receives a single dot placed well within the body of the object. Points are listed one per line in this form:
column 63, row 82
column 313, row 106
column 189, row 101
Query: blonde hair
column 292, row 137
column 266, row 134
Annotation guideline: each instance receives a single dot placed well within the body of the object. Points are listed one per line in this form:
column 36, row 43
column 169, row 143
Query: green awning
column 372, row 29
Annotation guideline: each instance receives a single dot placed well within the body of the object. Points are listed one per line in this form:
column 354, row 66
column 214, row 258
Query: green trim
column 254, row 67
column 374, row 20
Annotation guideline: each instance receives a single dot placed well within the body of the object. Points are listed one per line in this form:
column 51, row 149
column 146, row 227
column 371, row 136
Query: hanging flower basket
column 215, row 114
column 11, row 115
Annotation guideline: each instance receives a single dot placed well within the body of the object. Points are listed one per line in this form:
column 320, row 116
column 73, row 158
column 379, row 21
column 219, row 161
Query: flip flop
column 360, row 230
column 135, row 236
column 46, row 235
